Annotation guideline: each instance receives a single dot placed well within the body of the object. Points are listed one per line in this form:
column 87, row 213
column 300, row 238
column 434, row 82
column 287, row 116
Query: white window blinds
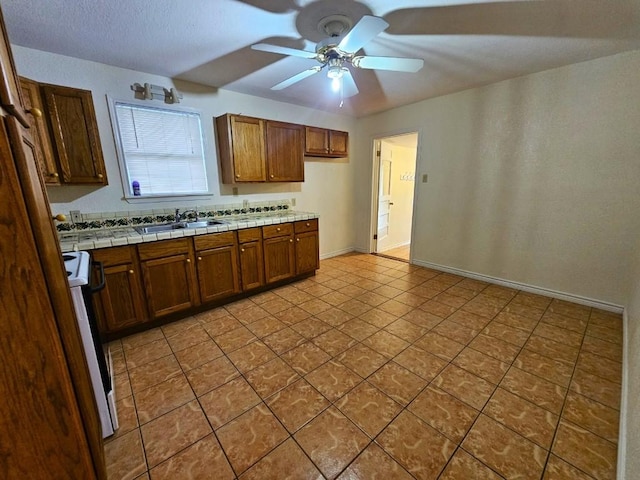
column 161, row 149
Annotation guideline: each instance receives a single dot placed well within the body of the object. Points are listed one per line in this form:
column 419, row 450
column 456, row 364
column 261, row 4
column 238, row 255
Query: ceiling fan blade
column 361, row 33
column 296, row 78
column 265, row 47
column 349, row 87
column 395, row 64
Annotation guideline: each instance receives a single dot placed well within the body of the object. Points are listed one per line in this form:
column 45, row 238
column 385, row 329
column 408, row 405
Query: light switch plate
column 76, row 217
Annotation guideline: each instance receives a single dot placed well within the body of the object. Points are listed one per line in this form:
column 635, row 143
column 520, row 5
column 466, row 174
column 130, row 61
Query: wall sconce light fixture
column 156, row 92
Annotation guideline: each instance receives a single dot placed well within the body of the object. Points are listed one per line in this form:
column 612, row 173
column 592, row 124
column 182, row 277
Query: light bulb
column 335, row 84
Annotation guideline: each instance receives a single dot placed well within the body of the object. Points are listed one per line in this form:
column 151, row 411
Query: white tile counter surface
column 117, row 236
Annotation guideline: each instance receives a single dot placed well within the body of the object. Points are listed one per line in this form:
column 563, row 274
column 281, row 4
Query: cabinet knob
column 188, row 260
column 61, row 217
column 242, row 249
column 308, row 224
column 55, row 174
column 36, row 112
column 278, row 229
column 271, row 176
column 131, row 272
column 237, row 176
column 100, row 176
column 297, row 239
column 199, row 258
column 291, row 240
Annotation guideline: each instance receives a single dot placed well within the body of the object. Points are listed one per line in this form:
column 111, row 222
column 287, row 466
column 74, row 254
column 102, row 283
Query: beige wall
column 532, row 180
column 328, row 185
column 632, row 334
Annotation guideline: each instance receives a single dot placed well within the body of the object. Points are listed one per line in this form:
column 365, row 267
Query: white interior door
column 384, row 201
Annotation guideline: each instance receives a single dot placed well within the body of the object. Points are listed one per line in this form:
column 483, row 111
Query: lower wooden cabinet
column 279, row 252
column 168, row 273
column 121, row 304
column 217, row 265
column 307, row 251
column 161, row 278
column 251, row 258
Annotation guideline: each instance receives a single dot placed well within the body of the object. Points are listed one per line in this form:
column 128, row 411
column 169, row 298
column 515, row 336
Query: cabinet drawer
column 114, row 255
column 271, row 231
column 306, row 225
column 214, row 240
column 250, row 235
column 163, row 248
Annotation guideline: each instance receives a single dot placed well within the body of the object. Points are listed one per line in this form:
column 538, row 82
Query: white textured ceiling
column 463, row 44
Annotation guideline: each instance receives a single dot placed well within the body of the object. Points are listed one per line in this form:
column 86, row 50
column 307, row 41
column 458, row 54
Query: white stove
column 78, row 267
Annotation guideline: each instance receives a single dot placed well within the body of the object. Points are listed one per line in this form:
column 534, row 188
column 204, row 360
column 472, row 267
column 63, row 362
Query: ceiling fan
column 339, row 50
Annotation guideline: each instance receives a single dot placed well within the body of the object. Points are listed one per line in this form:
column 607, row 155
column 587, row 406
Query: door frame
column 375, row 185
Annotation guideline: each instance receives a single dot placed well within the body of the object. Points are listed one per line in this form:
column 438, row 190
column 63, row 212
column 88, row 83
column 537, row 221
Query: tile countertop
column 115, row 237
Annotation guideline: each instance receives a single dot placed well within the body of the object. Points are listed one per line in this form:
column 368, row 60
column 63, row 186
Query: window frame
column 127, row 190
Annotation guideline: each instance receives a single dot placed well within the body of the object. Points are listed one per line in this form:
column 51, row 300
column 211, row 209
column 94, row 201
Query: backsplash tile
column 112, row 220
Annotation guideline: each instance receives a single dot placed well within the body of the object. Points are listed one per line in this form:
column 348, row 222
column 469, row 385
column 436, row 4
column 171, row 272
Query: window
column 161, row 149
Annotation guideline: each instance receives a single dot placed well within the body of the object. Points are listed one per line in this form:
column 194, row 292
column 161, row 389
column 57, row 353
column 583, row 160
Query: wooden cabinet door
column 121, row 302
column 285, row 152
column 168, row 284
column 10, row 94
column 316, row 141
column 75, row 134
column 251, row 265
column 307, row 252
column 218, row 273
column 50, row 422
column 40, row 132
column 241, row 148
column 279, row 258
column 338, row 143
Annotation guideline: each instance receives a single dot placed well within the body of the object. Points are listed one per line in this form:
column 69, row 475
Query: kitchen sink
column 167, row 227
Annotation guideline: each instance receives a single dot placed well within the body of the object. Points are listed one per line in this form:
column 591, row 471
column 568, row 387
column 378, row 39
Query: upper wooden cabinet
column 40, row 132
column 285, row 152
column 66, row 135
column 321, row 142
column 75, row 134
column 256, row 150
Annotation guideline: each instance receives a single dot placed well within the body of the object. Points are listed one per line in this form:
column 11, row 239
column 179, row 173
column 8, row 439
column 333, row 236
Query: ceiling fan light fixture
column 334, row 71
column 336, row 83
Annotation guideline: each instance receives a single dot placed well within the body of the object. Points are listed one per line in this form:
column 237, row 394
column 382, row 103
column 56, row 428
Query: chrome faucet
column 179, row 217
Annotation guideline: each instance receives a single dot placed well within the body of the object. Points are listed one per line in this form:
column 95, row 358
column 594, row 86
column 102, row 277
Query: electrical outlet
column 293, row 202
column 76, row 217
column 425, row 177
column 234, row 190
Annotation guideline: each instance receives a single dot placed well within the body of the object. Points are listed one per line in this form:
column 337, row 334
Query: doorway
column 394, row 181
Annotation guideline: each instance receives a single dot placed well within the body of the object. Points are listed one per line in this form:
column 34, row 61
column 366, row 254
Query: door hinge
column 378, row 153
column 375, row 237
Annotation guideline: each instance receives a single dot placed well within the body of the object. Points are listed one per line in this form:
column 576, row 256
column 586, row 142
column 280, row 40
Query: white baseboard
column 337, row 253
column 622, row 434
column 397, row 245
column 589, row 302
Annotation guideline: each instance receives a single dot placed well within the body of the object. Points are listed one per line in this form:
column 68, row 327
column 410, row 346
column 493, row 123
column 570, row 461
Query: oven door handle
column 100, row 286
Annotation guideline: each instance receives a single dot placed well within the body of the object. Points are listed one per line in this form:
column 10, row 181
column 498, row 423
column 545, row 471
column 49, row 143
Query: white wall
column 533, row 180
column 328, row 185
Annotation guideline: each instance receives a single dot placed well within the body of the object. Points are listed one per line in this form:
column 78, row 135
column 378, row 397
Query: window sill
column 166, row 198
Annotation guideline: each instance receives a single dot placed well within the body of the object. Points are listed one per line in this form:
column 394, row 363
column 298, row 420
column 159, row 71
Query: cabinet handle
column 100, row 176
column 199, row 258
column 55, row 174
column 131, row 272
column 188, row 260
column 36, row 112
column 61, row 217
column 242, row 249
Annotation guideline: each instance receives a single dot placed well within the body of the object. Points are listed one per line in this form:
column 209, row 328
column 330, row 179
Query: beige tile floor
column 373, row 368
column 401, row 253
